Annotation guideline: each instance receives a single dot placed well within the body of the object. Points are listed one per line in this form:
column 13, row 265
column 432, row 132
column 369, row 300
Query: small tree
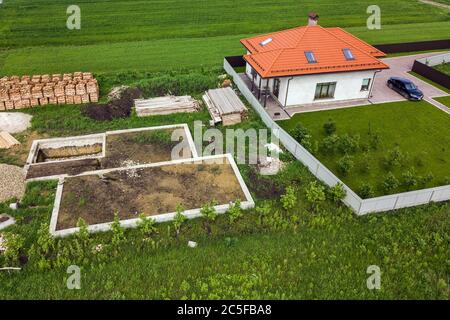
column 410, row 179
column 118, row 233
column 394, row 158
column 328, row 146
column 366, row 191
column 302, row 135
column 329, row 127
column 348, row 144
column 426, row 179
column 390, row 182
column 263, row 211
column 179, row 219
column 315, row 193
column 235, row 211
column 337, row 192
column 365, row 164
column 289, row 199
column 146, row 225
column 209, row 213
column 345, row 164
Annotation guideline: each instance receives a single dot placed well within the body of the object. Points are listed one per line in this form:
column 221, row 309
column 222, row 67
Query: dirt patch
column 117, row 108
column 3, row 219
column 264, row 187
column 151, row 191
column 122, row 150
column 57, row 154
column 67, row 167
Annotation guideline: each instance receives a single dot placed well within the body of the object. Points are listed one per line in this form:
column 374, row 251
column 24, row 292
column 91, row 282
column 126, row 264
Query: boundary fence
column 357, row 204
column 424, row 68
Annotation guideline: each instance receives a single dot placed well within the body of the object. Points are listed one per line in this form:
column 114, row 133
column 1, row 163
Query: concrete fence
column 357, row 204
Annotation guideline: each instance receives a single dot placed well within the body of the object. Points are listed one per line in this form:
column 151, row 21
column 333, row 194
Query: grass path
column 436, row 4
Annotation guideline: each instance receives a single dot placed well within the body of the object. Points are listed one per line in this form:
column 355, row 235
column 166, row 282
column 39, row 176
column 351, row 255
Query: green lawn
column 419, row 130
column 157, row 36
column 445, row 68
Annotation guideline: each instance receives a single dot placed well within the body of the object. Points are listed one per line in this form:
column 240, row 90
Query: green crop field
column 418, row 130
column 161, row 35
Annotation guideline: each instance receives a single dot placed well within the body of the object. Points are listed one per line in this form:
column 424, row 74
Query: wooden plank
column 7, row 140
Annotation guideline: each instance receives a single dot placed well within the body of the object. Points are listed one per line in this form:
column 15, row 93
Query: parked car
column 406, row 88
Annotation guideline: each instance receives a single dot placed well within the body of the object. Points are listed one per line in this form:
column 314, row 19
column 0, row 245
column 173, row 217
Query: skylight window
column 348, row 54
column 266, row 42
column 310, row 57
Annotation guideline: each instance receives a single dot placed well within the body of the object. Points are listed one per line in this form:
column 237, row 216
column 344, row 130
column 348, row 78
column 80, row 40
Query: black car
column 406, row 88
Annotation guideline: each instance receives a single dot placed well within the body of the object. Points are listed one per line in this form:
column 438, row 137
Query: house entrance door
column 276, row 87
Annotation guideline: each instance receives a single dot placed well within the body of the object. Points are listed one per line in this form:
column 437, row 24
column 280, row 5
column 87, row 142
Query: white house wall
column 302, row 89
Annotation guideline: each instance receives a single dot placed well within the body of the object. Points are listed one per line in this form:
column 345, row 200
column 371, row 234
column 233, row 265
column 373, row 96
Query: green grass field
column 445, row 68
column 419, row 130
column 157, row 36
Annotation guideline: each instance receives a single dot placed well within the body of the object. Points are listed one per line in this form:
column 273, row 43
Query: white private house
column 311, row 64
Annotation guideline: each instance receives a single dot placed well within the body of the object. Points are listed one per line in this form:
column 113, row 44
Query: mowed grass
column 445, row 68
column 419, row 130
column 164, row 35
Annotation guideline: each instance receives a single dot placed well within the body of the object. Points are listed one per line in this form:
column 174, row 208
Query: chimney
column 313, row 19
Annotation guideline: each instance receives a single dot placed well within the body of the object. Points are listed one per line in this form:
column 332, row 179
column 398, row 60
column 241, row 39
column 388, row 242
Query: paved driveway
column 399, row 67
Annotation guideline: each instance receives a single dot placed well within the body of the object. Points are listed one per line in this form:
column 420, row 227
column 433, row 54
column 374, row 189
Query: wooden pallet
column 7, row 140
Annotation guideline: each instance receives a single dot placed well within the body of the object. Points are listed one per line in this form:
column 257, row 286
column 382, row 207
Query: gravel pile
column 12, row 182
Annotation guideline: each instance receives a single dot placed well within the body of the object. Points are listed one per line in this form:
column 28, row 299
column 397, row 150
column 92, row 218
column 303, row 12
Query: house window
column 325, row 90
column 366, row 84
column 348, row 54
column 310, row 57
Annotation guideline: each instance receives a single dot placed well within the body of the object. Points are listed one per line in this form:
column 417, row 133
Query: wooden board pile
column 39, row 90
column 165, row 105
column 224, row 106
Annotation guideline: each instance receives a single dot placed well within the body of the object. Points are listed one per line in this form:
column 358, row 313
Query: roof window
column 310, row 57
column 266, row 42
column 348, row 54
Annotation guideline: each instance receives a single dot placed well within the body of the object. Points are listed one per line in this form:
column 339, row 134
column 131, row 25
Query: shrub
column 179, row 219
column 118, row 233
column 329, row 144
column 209, row 212
column 394, row 158
column 235, row 211
column 146, row 225
column 302, row 135
column 44, row 247
column 289, row 199
column 410, row 179
column 345, row 164
column 13, row 244
column 348, row 144
column 315, row 193
column 390, row 182
column 337, row 192
column 366, row 191
column 263, row 211
column 374, row 140
column 329, row 127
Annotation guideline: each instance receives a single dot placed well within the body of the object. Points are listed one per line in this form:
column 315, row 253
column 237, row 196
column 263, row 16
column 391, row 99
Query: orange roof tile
column 283, row 54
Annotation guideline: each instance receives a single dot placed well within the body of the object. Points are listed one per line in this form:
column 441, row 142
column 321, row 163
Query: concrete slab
column 14, row 122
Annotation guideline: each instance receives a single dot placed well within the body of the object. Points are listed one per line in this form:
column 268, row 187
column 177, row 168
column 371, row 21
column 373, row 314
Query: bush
column 423, row 181
column 394, row 158
column 315, row 193
column 390, row 182
column 209, row 212
column 337, row 192
column 366, row 191
column 302, row 136
column 365, row 163
column 410, row 179
column 118, row 233
column 348, row 144
column 263, row 211
column 146, row 225
column 235, row 211
column 374, row 140
column 328, row 146
column 179, row 219
column 345, row 164
column 329, row 127
column 13, row 244
column 289, row 199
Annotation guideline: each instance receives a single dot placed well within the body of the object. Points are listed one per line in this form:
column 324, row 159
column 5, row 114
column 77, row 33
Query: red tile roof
column 283, row 53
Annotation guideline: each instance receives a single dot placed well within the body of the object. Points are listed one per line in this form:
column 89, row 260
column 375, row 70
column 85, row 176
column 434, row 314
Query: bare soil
column 122, row 150
column 3, row 219
column 55, row 154
column 150, row 191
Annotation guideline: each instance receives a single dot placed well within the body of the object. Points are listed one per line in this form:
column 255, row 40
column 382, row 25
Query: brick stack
column 39, row 90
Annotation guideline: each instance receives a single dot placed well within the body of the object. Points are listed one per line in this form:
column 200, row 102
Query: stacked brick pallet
column 38, row 90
